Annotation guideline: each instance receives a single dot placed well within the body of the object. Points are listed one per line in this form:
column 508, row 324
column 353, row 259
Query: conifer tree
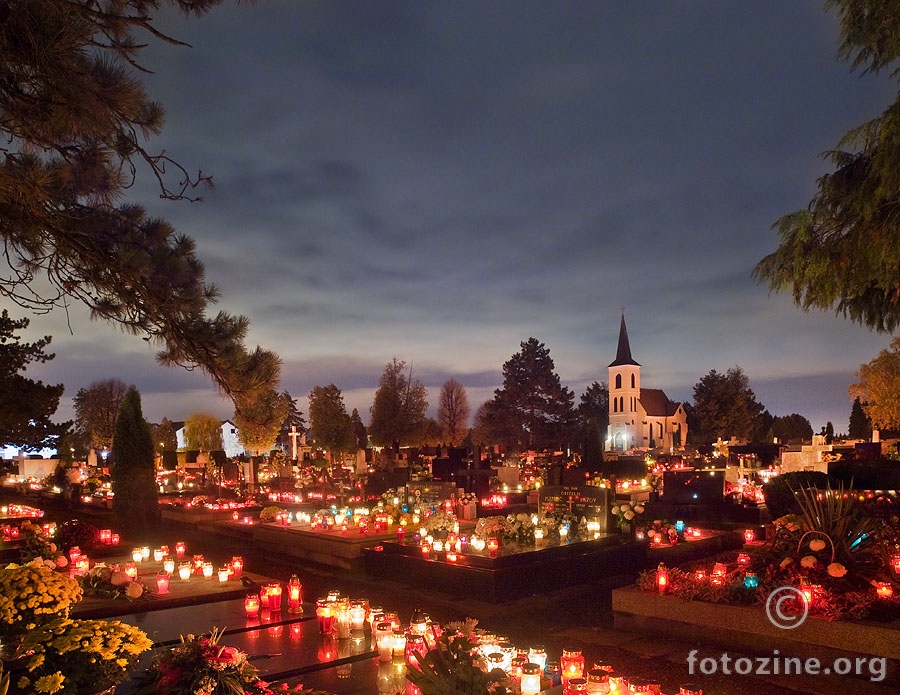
column 134, row 473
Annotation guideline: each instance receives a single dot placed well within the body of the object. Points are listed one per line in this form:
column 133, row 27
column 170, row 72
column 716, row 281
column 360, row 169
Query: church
column 639, row 418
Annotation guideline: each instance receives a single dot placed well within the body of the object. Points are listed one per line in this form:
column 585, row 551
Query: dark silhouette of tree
column 593, row 419
column 294, row 418
column 360, row 433
column 75, row 120
column 860, row 427
column 792, row 427
column 532, row 410
column 329, row 422
column 165, row 438
column 725, row 406
column 97, row 409
column 841, row 251
column 453, row 411
column 398, row 411
column 134, row 471
column 26, row 405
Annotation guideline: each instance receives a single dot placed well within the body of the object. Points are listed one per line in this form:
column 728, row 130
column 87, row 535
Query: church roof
column 623, row 352
column 657, row 404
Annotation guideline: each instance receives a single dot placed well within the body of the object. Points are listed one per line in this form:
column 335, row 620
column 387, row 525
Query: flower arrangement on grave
column 454, row 665
column 521, row 529
column 626, row 513
column 492, row 527
column 270, row 513
column 32, row 595
column 664, row 529
column 37, row 542
column 554, row 520
column 439, row 521
column 200, row 665
column 112, row 582
column 67, row 655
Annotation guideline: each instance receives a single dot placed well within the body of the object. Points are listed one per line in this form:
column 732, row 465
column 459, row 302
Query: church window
column 632, row 381
column 618, row 381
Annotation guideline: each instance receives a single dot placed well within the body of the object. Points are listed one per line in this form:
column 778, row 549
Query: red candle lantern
column 884, row 589
column 251, row 605
column 274, row 591
column 700, row 575
column 749, row 535
column 571, row 664
column 662, row 578
column 162, row 583
column 325, row 616
column 493, row 545
column 426, row 548
column 180, row 549
column 401, row 533
column 82, row 564
column 237, row 564
column 895, row 564
column 451, row 556
column 264, row 598
column 743, row 559
column 74, row 554
column 114, row 539
column 295, row 595
column 131, row 570
column 105, row 536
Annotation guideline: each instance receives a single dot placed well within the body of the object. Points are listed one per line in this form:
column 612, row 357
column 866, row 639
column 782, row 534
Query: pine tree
column 134, row 472
column 860, row 427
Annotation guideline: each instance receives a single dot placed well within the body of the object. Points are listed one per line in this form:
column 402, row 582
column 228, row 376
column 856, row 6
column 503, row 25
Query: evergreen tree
column 593, row 418
column 26, row 405
column 792, row 427
column 360, row 433
column 725, row 406
column 841, row 251
column 532, row 410
column 75, row 120
column 165, row 438
column 860, row 427
column 294, row 418
column 259, row 420
column 134, row 471
column 97, row 409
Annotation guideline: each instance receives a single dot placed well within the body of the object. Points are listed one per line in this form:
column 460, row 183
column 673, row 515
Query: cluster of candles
column 20, row 510
column 269, row 598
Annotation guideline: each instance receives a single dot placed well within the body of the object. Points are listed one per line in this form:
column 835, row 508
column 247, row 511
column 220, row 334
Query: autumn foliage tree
column 878, row 388
column 97, row 409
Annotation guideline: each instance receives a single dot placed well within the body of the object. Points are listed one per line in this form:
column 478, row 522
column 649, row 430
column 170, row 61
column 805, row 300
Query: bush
column 878, row 474
column 779, row 491
column 270, row 513
column 77, row 533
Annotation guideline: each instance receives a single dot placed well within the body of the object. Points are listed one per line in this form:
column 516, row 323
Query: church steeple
column 623, row 352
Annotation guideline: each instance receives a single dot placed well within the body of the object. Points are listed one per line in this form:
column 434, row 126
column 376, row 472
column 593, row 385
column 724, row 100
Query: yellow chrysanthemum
column 50, row 684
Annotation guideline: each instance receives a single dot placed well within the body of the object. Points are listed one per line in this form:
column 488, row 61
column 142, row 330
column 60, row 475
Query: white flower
column 626, row 507
column 629, row 515
column 639, row 508
column 615, row 510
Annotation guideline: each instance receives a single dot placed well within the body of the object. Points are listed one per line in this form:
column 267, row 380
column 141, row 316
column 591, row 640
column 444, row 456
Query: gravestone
column 582, row 500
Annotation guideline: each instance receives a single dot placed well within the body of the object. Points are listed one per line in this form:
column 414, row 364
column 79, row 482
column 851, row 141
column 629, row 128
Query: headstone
column 582, row 500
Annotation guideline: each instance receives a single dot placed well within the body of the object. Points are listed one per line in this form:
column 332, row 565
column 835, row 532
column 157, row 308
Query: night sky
column 442, row 181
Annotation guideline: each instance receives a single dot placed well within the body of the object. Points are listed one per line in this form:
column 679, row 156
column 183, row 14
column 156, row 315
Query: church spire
column 623, row 352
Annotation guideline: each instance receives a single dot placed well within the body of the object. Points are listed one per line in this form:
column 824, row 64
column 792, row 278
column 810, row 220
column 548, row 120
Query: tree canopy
column 453, row 412
column 75, row 121
column 134, row 468
column 398, row 411
column 203, row 432
column 26, row 405
column 96, row 411
column 532, row 409
column 843, row 251
column 725, row 406
column 877, row 389
column 329, row 422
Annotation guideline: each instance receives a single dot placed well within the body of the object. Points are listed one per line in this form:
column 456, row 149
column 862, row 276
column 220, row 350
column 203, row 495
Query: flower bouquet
column 492, row 527
column 38, row 543
column 70, row 655
column 521, row 529
column 112, row 582
column 32, row 595
column 626, row 513
column 439, row 521
column 199, row 665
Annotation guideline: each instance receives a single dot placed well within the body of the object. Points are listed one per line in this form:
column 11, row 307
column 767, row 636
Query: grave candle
column 571, row 664
column 162, row 583
column 105, row 536
column 531, row 679
column 207, row 570
column 184, row 571
column 384, row 638
column 357, row 616
column 114, row 539
column 169, row 565
column 145, row 553
column 237, row 563
column 343, row 621
column 274, row 591
column 180, row 549
column 223, row 575
column 158, row 555
column 295, row 595
column 137, row 555
column 251, row 605
column 131, row 570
